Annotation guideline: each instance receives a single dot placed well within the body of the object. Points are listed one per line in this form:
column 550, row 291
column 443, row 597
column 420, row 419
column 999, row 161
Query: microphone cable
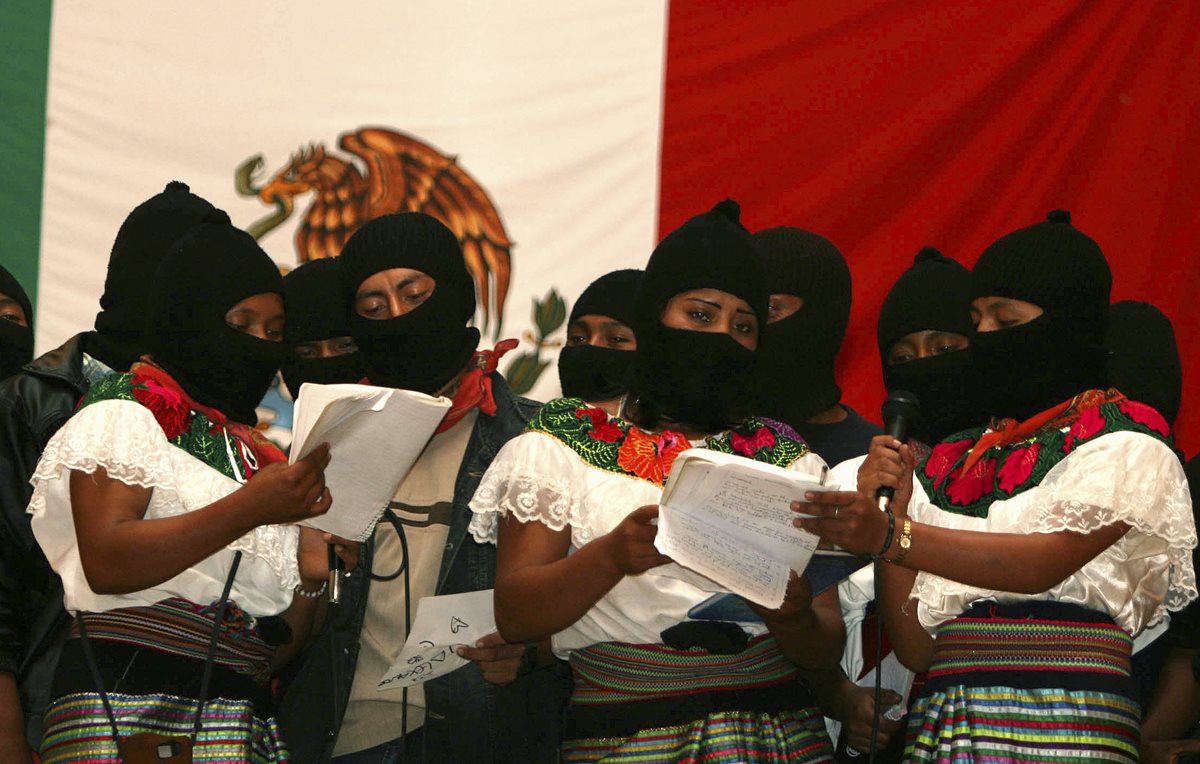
column 403, row 569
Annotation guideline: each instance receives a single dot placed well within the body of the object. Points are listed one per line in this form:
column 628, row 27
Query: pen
column 336, row 566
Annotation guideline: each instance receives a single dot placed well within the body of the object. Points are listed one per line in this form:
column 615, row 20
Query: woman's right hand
column 631, row 543
column 286, row 493
column 889, row 463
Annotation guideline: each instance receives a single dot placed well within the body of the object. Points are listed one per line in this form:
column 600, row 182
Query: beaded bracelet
column 312, row 595
column 887, row 542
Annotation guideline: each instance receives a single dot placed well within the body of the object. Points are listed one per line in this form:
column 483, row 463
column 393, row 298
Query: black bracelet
column 887, row 542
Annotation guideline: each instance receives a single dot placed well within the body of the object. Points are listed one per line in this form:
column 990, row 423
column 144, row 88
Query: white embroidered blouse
column 124, row 438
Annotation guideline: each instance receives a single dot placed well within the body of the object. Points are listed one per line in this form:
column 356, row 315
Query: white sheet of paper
column 442, row 624
column 375, row 435
column 730, row 520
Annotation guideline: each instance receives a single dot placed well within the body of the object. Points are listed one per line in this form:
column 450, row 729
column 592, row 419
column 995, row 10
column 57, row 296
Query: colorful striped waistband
column 1029, row 652
column 183, row 628
column 615, row 672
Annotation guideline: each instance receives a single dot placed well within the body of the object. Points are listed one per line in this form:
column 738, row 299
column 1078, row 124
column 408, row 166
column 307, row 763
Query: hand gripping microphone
column 901, row 411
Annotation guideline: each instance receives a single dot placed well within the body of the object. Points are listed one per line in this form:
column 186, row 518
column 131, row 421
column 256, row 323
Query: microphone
column 901, row 411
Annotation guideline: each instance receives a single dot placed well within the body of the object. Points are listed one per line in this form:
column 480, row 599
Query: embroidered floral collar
column 971, row 469
column 203, row 432
column 613, row 444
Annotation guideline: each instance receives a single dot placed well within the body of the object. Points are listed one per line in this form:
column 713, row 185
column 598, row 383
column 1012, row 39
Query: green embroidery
column 1006, row 471
column 614, row 445
column 201, row 437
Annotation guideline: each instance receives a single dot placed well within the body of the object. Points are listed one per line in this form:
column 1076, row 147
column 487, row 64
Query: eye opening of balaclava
column 16, row 341
column 316, row 311
column 426, row 348
column 692, row 378
column 1022, row 370
column 142, row 242
column 1144, row 361
column 932, row 295
column 208, row 271
column 600, row 373
column 795, row 378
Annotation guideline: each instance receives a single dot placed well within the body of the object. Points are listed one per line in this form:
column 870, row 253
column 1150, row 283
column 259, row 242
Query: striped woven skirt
column 1032, row 682
column 652, row 703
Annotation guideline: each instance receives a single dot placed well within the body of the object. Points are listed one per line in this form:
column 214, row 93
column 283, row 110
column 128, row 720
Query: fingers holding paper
column 631, row 543
column 845, row 518
column 499, row 661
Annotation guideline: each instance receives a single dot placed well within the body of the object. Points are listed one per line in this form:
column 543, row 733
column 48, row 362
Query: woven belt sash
column 1031, row 652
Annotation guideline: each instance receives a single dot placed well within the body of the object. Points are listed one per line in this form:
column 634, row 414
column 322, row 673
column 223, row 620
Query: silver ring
column 835, row 512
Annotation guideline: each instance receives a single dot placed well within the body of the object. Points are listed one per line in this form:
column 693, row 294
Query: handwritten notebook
column 375, row 435
column 729, row 519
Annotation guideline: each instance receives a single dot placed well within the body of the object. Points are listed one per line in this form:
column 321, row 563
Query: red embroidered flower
column 1090, row 422
column 1019, row 466
column 639, row 455
column 751, row 445
column 943, row 457
column 602, row 429
column 167, row 405
column 1145, row 415
column 965, row 490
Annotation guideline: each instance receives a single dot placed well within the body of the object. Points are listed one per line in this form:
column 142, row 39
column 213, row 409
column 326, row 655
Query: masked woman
column 597, row 360
column 160, row 507
column 572, row 501
column 16, row 325
column 1037, row 546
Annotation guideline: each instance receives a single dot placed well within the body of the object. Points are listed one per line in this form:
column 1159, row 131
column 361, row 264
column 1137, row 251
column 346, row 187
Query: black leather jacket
column 467, row 719
column 34, row 404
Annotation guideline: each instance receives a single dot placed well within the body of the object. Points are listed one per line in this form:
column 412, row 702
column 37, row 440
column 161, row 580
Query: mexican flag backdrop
column 561, row 139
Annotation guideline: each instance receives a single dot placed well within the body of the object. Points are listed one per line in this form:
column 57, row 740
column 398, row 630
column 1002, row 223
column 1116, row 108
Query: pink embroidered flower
column 1090, row 422
column 965, row 490
column 943, row 457
column 167, row 405
column 1146, row 415
column 670, row 446
column 1019, row 466
column 751, row 445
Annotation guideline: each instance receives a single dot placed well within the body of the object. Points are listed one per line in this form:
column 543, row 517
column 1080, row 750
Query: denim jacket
column 467, row 718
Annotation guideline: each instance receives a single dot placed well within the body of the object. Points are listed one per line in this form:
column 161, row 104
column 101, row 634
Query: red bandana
column 475, row 387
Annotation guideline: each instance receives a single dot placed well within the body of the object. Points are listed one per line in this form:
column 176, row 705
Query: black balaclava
column 1025, row 369
column 932, row 295
column 795, row 380
column 424, row 349
column 598, row 373
column 690, row 377
column 142, row 241
column 312, row 296
column 1144, row 364
column 210, row 269
column 16, row 341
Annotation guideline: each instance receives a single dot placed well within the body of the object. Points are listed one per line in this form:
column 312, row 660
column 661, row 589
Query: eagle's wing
column 407, row 175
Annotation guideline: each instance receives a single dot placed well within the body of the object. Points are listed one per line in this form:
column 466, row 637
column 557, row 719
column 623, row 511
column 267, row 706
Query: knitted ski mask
column 795, row 380
column 209, row 270
column 16, row 341
column 316, row 311
column 932, row 295
column 599, row 373
column 142, row 241
column 1026, row 369
column 424, row 349
column 1145, row 364
column 691, row 377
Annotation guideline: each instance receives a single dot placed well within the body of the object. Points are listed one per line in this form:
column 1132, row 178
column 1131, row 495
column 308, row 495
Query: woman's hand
column 855, row 709
column 889, row 463
column 286, row 493
column 630, row 545
column 850, row 520
column 313, row 554
column 797, row 602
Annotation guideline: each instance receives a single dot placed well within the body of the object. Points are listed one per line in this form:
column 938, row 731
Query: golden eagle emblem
column 399, row 174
